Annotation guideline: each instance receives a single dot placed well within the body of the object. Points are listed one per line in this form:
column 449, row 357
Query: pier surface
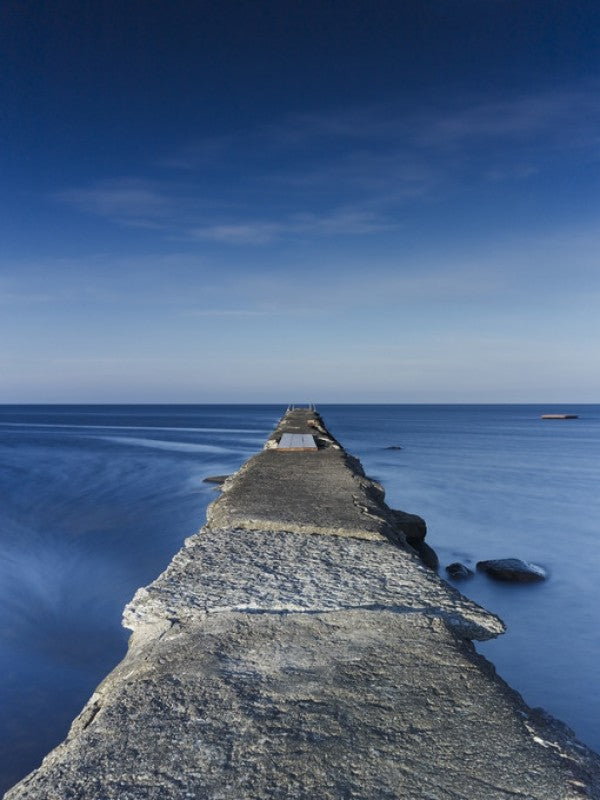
column 297, row 647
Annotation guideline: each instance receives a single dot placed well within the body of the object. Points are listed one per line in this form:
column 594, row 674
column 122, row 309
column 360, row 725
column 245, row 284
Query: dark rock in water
column 393, row 447
column 412, row 526
column 513, row 569
column 459, row 571
column 414, row 529
column 215, row 479
column 427, row 554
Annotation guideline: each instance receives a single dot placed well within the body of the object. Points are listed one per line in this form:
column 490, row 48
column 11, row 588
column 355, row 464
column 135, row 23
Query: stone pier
column 298, row 647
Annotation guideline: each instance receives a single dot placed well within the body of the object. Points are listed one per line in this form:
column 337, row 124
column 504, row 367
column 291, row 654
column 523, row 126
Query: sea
column 95, row 501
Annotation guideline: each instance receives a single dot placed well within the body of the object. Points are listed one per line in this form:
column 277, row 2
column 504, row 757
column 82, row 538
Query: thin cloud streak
column 548, row 113
column 511, row 270
column 251, row 312
column 131, row 200
column 362, row 166
column 344, row 222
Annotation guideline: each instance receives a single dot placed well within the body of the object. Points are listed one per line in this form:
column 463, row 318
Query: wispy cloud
column 345, row 172
column 134, row 201
column 566, row 116
column 22, row 298
column 563, row 113
column 524, row 269
column 239, row 233
column 252, row 312
column 371, row 178
column 341, row 221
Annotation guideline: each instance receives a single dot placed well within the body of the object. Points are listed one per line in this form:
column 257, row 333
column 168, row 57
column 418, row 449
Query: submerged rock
column 459, row 571
column 513, row 569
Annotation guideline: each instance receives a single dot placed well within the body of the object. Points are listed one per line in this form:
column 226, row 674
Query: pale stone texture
column 355, row 704
column 237, row 570
column 310, row 661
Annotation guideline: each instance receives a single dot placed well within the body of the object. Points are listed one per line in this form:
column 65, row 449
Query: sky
column 332, row 201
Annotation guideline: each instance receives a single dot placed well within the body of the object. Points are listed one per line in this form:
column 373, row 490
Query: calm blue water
column 97, row 499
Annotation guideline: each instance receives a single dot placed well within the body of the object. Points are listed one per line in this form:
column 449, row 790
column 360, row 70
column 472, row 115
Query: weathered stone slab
column 353, row 704
column 320, row 492
column 279, row 571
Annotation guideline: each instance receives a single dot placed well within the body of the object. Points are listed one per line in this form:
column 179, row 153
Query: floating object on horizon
column 560, row 416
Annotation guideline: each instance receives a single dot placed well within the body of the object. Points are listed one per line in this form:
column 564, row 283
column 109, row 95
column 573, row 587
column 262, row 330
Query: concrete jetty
column 298, row 648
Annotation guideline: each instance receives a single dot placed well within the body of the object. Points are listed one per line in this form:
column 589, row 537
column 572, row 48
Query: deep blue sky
column 275, row 201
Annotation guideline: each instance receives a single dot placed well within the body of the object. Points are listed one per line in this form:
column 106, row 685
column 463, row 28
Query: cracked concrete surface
column 297, row 648
column 279, row 571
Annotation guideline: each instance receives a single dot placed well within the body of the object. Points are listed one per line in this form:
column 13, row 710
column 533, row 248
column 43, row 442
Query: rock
column 412, row 526
column 459, row 571
column 393, row 447
column 414, row 529
column 427, row 555
column 513, row 569
column 215, row 479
